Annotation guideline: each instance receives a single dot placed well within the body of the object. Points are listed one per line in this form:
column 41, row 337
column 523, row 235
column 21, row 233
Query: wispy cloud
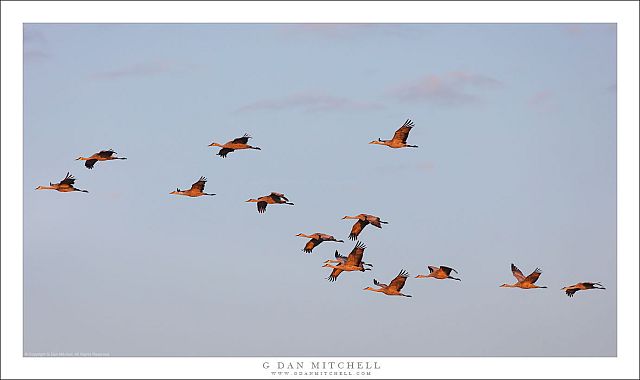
column 34, row 46
column 32, row 36
column 542, row 101
column 342, row 31
column 137, row 70
column 453, row 88
column 421, row 166
column 310, row 102
column 35, row 55
column 328, row 29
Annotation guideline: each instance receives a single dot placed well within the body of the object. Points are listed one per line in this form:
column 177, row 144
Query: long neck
column 46, row 188
column 351, row 217
column 305, row 236
column 215, row 144
column 331, row 266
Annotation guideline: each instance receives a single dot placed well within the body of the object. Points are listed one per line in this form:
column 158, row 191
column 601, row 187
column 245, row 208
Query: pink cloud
column 340, row 30
column 311, row 102
column 138, row 69
column 540, row 98
column 453, row 88
column 575, row 29
column 542, row 101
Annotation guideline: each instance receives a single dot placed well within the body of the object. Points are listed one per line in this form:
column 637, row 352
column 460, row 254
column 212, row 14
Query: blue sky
column 516, row 126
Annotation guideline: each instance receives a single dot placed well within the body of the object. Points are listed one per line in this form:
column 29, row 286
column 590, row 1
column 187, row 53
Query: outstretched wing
column 89, row 163
column 447, row 270
column 403, row 132
column 106, row 153
column 592, row 285
column 355, row 257
column 199, row 186
column 68, row 180
column 433, row 269
column 323, row 237
column 278, row 197
column 341, row 258
column 571, row 291
column 399, row 281
column 334, row 274
column 377, row 283
column 310, row 245
column 357, row 228
column 241, row 140
column 375, row 221
column 517, row 273
column 224, row 151
column 262, row 207
column 533, row 277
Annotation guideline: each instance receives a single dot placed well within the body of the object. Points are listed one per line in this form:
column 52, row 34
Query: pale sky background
column 516, row 126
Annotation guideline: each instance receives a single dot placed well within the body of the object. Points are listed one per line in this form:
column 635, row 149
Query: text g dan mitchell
column 319, row 365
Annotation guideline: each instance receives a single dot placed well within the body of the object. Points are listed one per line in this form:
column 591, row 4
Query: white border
column 16, row 13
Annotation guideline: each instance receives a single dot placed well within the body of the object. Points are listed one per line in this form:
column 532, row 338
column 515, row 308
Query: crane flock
column 351, row 263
